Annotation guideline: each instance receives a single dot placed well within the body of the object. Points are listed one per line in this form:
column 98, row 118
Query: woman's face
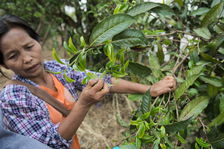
column 21, row 53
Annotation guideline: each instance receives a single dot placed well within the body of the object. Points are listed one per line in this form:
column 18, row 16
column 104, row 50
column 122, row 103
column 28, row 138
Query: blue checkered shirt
column 26, row 114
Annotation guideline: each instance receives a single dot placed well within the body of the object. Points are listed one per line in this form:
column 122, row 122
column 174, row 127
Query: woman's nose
column 26, row 58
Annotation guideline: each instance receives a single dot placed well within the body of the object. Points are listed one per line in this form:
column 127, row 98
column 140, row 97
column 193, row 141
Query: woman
column 25, row 113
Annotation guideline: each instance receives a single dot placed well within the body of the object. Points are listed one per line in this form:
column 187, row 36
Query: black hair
column 8, row 22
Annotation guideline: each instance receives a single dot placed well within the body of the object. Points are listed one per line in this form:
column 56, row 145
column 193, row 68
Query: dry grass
column 100, row 128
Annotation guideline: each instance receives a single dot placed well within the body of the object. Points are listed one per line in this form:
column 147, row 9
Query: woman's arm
column 92, row 93
column 163, row 86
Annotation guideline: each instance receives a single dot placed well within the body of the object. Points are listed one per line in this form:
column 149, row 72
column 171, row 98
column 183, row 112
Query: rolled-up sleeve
column 26, row 114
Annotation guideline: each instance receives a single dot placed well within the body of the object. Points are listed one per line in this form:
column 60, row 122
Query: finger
column 104, row 91
column 170, row 84
column 174, row 85
column 99, row 85
column 168, row 77
column 92, row 82
column 167, row 90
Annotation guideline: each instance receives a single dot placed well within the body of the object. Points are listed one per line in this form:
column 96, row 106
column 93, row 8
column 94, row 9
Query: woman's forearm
column 163, row 86
column 71, row 123
column 92, row 93
column 123, row 86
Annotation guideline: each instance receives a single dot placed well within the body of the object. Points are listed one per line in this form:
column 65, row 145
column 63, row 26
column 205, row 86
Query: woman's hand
column 165, row 85
column 93, row 92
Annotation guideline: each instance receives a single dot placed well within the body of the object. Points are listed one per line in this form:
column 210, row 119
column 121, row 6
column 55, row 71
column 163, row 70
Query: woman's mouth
column 33, row 68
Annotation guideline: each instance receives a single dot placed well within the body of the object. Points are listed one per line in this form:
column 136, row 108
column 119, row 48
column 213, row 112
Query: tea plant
column 145, row 42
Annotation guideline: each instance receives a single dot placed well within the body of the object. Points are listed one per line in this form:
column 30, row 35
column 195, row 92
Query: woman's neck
column 42, row 79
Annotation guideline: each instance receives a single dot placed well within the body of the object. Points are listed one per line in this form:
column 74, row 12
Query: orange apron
column 62, row 94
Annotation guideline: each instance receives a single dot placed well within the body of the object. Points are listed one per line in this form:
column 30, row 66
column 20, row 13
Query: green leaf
column 220, row 97
column 200, row 11
column 164, row 11
column 217, row 121
column 212, row 90
column 212, row 80
column 55, row 56
column 179, row 2
column 135, row 97
column 181, row 139
column 156, row 144
column 221, row 50
column 68, row 79
column 184, row 86
column 141, row 130
column 81, row 63
column 121, row 122
column 71, row 46
column 109, row 27
column 160, row 54
column 82, row 41
column 139, row 69
column 196, row 146
column 147, row 138
column 202, row 143
column 195, row 70
column 142, row 8
column 208, row 58
column 203, row 32
column 92, row 75
column 138, row 143
column 117, row 9
column 217, row 142
column 146, row 100
column 212, row 15
column 129, row 38
column 177, row 126
column 194, row 108
column 155, row 66
column 162, row 131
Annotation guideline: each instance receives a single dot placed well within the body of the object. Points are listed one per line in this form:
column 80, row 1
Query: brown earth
column 100, row 128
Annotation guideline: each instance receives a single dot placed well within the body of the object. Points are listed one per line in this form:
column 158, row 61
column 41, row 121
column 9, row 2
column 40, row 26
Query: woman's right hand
column 93, row 92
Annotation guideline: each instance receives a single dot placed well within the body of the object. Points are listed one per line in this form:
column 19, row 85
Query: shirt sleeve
column 26, row 114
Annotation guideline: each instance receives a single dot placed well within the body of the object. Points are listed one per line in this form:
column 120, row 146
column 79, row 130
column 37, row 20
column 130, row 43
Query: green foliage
column 136, row 40
column 141, row 8
column 109, row 27
column 148, row 41
column 194, row 108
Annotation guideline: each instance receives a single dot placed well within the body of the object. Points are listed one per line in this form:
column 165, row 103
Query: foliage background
column 183, row 38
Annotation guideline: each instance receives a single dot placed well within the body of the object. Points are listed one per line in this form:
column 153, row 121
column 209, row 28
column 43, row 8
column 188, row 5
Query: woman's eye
column 12, row 56
column 29, row 47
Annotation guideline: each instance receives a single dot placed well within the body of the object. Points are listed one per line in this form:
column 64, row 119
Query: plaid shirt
column 26, row 114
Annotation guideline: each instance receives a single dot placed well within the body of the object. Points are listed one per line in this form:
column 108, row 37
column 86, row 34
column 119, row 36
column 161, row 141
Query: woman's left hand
column 165, row 85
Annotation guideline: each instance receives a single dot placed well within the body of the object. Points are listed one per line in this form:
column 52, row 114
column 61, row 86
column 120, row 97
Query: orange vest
column 62, row 95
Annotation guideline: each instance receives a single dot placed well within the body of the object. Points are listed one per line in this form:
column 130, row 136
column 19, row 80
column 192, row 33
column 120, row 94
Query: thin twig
column 177, row 112
column 128, row 102
column 168, row 101
column 203, row 125
column 155, row 101
column 120, row 142
column 179, row 64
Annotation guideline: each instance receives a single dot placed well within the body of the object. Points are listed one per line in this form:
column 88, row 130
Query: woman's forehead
column 15, row 37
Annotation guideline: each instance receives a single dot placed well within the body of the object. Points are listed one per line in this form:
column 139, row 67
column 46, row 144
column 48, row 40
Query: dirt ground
column 100, row 128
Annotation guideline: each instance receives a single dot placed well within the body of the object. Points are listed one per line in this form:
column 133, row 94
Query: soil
column 99, row 129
